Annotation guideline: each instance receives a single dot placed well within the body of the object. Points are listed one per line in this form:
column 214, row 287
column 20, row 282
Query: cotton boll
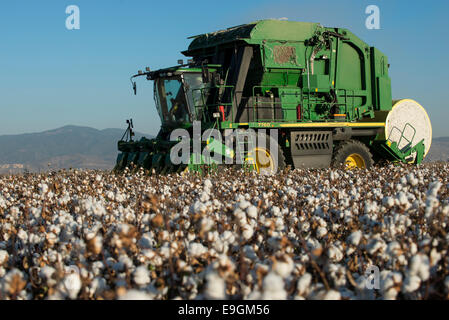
column 196, row 249
column 43, row 188
column 411, row 283
column 47, row 273
column 136, row 295
column 354, row 238
column 207, row 224
column 435, row 257
column 251, row 211
column 3, row 257
column 247, row 232
column 98, row 286
column 394, row 249
column 215, row 287
column 419, row 266
column 13, row 280
column 283, row 265
column 23, row 235
column 273, row 287
column 275, row 211
column 334, row 253
column 204, row 197
column 375, row 245
column 207, row 185
column 321, row 232
column 304, row 283
column 71, row 285
column 388, row 284
column 141, row 276
column 388, row 202
column 332, row 295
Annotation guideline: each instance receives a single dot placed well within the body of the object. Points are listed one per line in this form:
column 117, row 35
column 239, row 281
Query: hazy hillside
column 66, row 147
column 439, row 151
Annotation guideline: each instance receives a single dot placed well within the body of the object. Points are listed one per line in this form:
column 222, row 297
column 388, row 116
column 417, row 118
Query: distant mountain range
column 84, row 147
column 66, row 147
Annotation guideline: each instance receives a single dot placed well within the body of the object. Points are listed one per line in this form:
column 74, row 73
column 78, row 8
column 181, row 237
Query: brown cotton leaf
column 17, row 284
column 317, row 252
column 158, row 221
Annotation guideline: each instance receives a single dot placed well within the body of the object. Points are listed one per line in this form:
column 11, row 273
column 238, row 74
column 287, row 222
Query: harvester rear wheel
column 352, row 154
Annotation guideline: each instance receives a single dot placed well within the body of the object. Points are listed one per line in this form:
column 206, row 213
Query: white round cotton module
column 408, row 123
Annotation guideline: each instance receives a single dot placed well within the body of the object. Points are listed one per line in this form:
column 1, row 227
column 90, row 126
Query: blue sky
column 50, row 76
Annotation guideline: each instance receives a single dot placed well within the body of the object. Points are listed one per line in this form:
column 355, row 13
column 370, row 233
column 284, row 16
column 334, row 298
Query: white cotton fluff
column 251, row 211
column 46, row 272
column 273, row 287
column 402, row 199
column 196, row 249
column 420, row 266
column 22, row 235
column 433, row 189
column 355, row 237
column 332, row 295
column 215, row 287
column 207, row 224
column 110, row 195
column 284, row 266
column 207, row 184
column 388, row 202
column 142, row 276
column 388, row 279
column 375, row 245
column 334, row 253
column 411, row 283
column 244, row 204
column 3, row 257
column 304, row 283
column 393, row 248
column 43, row 188
column 136, row 295
column 71, row 285
column 199, row 207
column 248, row 232
column 321, row 232
column 275, row 211
column 204, row 197
column 98, row 285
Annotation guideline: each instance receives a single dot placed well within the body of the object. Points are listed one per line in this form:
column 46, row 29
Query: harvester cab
column 321, row 95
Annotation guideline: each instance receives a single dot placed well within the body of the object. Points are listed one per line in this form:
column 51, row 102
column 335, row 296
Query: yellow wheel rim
column 185, row 171
column 355, row 161
column 262, row 159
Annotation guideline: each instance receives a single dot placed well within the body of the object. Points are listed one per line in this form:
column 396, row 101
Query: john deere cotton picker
column 325, row 92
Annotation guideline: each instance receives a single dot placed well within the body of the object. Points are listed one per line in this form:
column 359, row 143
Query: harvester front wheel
column 264, row 160
column 353, row 154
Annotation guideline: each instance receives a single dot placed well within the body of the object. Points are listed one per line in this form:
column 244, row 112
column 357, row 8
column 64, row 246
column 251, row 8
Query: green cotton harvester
column 321, row 95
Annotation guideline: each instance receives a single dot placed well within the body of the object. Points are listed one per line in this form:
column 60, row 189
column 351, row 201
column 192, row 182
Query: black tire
column 352, row 147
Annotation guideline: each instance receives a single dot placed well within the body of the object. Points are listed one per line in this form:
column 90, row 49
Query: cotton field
column 302, row 234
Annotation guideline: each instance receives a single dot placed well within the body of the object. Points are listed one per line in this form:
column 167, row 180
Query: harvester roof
column 255, row 33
